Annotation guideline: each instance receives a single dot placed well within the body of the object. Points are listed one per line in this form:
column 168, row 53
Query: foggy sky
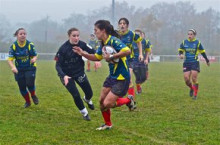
column 18, row 11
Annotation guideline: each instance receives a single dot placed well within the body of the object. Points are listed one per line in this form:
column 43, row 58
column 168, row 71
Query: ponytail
column 106, row 25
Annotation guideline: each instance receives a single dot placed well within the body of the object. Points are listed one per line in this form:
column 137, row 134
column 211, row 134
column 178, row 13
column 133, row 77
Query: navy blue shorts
column 139, row 69
column 27, row 76
column 131, row 63
column 118, row 87
column 188, row 66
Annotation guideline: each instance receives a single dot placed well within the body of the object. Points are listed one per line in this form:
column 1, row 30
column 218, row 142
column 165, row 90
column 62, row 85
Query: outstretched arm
column 79, row 51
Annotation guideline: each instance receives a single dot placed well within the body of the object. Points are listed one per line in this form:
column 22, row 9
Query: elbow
column 128, row 52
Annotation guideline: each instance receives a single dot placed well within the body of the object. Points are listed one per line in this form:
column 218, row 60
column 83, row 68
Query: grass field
column 165, row 113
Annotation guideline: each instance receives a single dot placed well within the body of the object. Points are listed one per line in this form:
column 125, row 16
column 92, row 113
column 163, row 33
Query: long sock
column 131, row 91
column 27, row 97
column 122, row 101
column 107, row 117
column 32, row 90
column 190, row 86
column 195, row 88
column 84, row 111
column 138, row 86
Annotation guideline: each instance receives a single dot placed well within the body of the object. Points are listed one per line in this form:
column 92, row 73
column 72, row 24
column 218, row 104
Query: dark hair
column 138, row 30
column 125, row 19
column 193, row 30
column 71, row 30
column 17, row 31
column 106, row 25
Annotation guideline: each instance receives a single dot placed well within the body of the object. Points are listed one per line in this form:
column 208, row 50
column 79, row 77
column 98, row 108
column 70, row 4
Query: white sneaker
column 104, row 127
column 89, row 103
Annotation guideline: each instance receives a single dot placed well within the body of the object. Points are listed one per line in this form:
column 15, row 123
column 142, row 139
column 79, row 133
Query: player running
column 70, row 68
column 192, row 47
column 25, row 56
column 128, row 37
column 117, row 83
column 140, row 68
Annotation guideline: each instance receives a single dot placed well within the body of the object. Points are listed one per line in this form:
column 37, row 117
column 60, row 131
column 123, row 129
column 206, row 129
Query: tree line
column 165, row 24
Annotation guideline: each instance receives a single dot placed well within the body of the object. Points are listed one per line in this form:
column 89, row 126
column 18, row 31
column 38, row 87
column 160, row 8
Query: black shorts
column 118, row 87
column 131, row 63
column 27, row 76
column 188, row 66
column 139, row 69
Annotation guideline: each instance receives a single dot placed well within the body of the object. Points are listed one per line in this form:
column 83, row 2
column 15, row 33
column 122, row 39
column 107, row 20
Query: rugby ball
column 110, row 50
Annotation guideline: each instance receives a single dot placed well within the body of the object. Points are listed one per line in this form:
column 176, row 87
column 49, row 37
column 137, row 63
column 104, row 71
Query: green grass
column 165, row 113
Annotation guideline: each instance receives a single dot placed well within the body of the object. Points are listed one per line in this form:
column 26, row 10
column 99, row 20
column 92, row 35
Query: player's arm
column 147, row 57
column 202, row 51
column 147, row 51
column 181, row 50
column 140, row 51
column 59, row 60
column 91, row 57
column 11, row 59
column 89, row 49
column 33, row 53
column 12, row 66
column 122, row 53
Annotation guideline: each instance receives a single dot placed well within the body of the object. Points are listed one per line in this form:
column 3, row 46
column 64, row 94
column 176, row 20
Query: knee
column 194, row 79
column 186, row 78
column 108, row 104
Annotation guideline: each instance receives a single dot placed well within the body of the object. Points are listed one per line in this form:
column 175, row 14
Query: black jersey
column 70, row 63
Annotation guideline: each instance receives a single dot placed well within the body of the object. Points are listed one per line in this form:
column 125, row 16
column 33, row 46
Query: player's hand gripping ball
column 110, row 50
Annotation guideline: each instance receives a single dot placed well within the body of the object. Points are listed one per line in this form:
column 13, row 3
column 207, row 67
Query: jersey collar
column 124, row 32
column 21, row 45
column 191, row 40
column 108, row 39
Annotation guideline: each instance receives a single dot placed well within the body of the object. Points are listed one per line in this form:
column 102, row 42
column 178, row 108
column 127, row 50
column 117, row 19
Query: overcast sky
column 29, row 10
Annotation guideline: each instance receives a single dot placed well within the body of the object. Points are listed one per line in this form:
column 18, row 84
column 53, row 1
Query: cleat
column 88, row 70
column 194, row 97
column 26, row 105
column 89, row 102
column 135, row 106
column 35, row 100
column 104, row 127
column 87, row 118
column 191, row 92
column 132, row 104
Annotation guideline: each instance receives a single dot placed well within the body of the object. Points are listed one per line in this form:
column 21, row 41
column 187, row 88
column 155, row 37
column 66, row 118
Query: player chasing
column 70, row 68
column 140, row 68
column 128, row 37
column 25, row 56
column 117, row 83
column 192, row 47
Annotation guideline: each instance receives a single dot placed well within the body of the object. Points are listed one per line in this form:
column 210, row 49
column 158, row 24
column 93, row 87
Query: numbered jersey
column 23, row 55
